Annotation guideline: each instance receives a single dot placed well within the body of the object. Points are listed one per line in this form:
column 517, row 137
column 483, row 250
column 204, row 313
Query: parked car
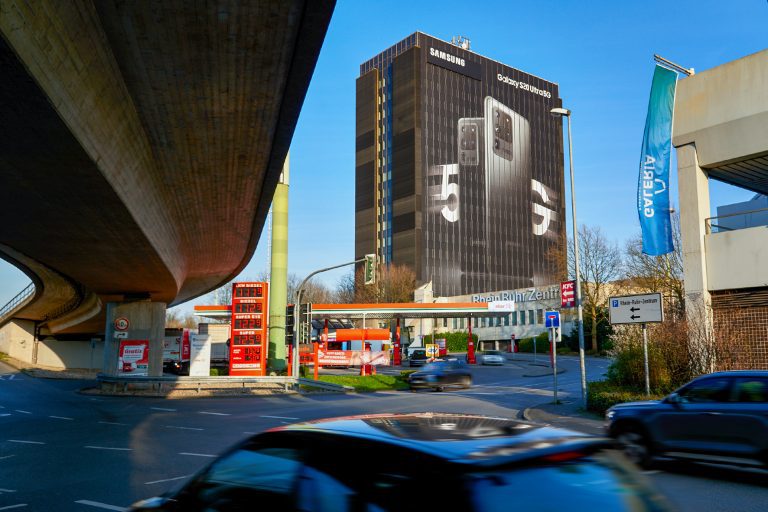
column 722, row 416
column 415, row 462
column 491, row 357
column 418, row 357
column 439, row 375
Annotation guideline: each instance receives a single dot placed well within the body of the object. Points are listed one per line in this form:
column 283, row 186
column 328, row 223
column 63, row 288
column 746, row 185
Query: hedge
column 601, row 395
column 454, row 341
column 542, row 344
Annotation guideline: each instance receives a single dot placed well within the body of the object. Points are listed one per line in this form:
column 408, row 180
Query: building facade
column 459, row 168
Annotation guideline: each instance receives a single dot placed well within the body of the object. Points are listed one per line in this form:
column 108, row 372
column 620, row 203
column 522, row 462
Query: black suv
column 721, row 417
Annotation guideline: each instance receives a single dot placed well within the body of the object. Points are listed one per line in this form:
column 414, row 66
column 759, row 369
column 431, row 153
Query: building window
column 522, row 318
column 462, row 323
column 455, row 321
column 498, row 321
column 540, row 316
column 506, row 320
column 445, row 322
column 514, row 317
column 475, row 321
column 531, row 318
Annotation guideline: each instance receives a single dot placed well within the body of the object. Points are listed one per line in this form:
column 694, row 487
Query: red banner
column 352, row 357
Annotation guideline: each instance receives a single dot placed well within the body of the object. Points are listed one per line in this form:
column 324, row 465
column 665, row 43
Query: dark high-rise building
column 459, row 168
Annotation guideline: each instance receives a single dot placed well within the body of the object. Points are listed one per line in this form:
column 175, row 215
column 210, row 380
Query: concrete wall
column 724, row 110
column 70, row 354
column 17, row 339
column 737, row 259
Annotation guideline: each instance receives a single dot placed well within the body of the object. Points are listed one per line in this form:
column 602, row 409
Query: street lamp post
column 564, row 112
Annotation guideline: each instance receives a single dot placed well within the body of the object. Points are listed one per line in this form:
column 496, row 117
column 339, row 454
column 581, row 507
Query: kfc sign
column 568, row 294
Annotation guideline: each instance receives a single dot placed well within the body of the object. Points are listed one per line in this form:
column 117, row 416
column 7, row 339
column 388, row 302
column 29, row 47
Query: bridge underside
column 141, row 144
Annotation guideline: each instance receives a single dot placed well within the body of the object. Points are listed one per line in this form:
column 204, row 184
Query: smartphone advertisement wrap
column 493, row 214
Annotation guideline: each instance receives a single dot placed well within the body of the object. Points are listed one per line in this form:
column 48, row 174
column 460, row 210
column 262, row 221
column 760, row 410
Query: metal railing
column 713, row 227
column 15, row 302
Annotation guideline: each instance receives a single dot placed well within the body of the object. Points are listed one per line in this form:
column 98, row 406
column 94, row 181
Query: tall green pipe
column 278, row 285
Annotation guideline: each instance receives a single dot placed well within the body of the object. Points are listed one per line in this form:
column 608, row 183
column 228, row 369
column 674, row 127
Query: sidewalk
column 567, row 414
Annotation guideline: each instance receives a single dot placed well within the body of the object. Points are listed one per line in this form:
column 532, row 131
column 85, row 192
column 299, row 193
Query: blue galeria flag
column 653, row 184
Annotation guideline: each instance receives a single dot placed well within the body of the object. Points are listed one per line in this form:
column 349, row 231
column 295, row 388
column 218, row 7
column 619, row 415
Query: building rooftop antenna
column 461, row 41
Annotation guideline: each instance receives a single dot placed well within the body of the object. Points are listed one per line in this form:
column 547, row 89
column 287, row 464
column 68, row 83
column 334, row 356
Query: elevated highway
column 141, row 143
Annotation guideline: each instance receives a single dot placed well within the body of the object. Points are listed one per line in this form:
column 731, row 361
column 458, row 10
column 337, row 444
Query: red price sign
column 568, row 294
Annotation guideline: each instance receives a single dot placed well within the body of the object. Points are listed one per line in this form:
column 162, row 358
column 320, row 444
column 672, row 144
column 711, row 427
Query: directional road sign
column 636, row 309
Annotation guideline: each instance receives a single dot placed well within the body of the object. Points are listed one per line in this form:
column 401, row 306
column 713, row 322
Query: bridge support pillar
column 134, row 321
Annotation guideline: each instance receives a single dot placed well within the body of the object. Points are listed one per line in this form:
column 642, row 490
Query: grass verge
column 601, row 395
column 367, row 383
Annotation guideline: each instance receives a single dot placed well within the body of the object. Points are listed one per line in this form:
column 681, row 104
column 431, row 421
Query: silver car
column 492, row 357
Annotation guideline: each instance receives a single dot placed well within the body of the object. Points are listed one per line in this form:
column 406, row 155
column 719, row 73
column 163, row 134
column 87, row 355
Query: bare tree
column 658, row 273
column 345, row 289
column 222, row 294
column 394, row 283
column 600, row 262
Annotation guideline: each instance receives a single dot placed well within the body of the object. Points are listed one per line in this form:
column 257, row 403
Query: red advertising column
column 470, row 345
column 397, row 359
column 248, row 347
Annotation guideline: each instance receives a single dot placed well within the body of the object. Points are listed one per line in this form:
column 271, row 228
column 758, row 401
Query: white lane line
column 5, row 414
column 197, row 454
column 112, row 423
column 96, row 399
column 9, row 507
column 249, row 433
column 24, row 442
column 100, row 505
column 109, row 448
column 215, row 413
column 60, row 418
column 7, row 457
column 183, row 428
column 167, row 480
column 279, row 417
column 22, row 412
column 162, row 409
column 6, row 490
column 652, row 471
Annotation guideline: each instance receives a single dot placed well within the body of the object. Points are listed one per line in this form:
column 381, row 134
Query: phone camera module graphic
column 502, row 133
column 469, row 141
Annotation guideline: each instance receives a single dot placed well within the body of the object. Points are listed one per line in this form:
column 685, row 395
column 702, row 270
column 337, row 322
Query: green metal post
column 278, row 285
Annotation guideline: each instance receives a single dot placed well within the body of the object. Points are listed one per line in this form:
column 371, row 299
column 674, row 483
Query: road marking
column 110, row 448
column 96, row 399
column 7, row 457
column 9, row 507
column 24, row 442
column 249, row 433
column 6, row 490
column 215, row 413
column 6, row 414
column 22, row 412
column 162, row 409
column 60, row 418
column 183, row 428
column 651, row 471
column 112, row 423
column 100, row 505
column 197, row 454
column 279, row 417
column 167, row 480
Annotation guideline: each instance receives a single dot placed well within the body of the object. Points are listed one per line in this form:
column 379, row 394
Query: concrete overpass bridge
column 140, row 146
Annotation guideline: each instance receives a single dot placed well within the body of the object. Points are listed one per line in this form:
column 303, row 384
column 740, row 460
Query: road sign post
column 638, row 309
column 552, row 322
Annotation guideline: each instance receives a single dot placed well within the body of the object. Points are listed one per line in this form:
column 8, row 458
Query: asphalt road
column 61, row 450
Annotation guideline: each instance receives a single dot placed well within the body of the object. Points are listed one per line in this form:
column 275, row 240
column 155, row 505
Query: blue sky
column 600, row 54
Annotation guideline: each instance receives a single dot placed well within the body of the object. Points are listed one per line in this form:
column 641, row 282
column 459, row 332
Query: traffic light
column 290, row 324
column 370, row 268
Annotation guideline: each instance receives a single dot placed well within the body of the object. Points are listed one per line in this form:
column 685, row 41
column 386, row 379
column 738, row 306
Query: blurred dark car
column 721, row 417
column 418, row 357
column 439, row 375
column 415, row 462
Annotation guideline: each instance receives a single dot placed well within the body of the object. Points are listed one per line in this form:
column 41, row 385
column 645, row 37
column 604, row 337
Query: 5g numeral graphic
column 547, row 215
column 449, row 192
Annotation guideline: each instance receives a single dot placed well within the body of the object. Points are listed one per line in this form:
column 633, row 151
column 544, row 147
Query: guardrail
column 19, row 299
column 164, row 384
column 712, row 227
